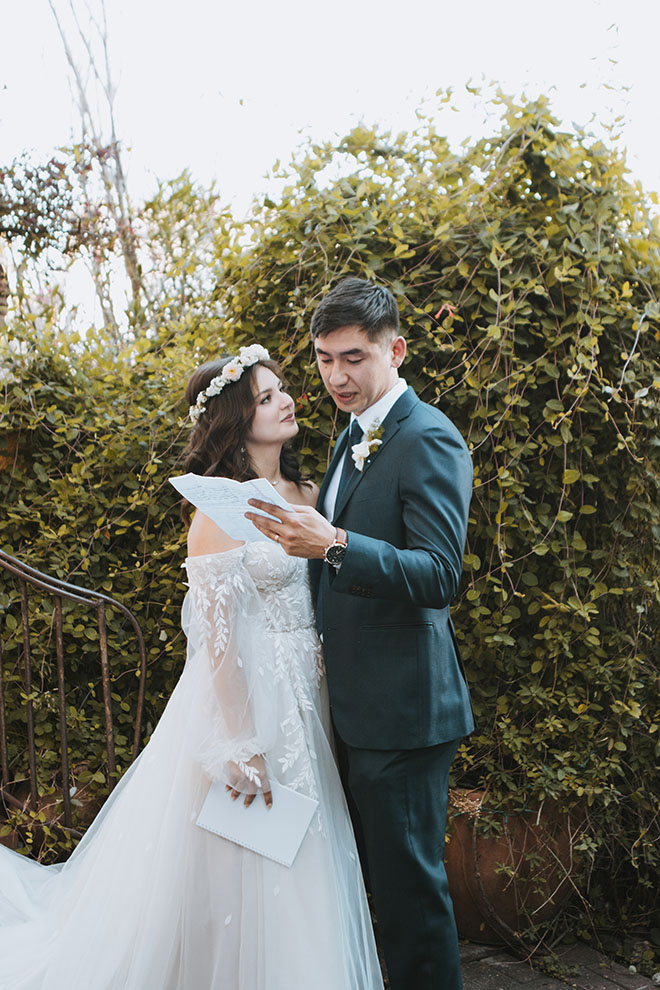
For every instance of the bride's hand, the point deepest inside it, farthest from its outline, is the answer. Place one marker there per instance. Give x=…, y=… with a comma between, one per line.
x=249, y=778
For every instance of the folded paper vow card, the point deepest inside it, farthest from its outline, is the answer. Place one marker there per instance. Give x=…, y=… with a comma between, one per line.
x=225, y=501
x=275, y=832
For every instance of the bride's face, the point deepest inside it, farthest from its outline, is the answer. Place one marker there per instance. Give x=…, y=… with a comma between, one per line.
x=274, y=420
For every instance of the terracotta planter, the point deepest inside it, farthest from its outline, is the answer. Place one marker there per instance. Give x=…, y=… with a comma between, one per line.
x=504, y=884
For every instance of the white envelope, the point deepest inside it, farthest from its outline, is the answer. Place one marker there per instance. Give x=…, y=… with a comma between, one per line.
x=275, y=832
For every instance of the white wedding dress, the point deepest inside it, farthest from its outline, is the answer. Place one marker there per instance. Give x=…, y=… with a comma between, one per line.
x=150, y=901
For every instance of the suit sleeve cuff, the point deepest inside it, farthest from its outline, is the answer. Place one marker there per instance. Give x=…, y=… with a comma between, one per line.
x=352, y=577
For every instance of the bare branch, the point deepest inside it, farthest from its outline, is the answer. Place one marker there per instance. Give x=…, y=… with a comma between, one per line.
x=108, y=152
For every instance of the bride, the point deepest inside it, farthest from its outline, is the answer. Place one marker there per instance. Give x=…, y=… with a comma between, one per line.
x=149, y=900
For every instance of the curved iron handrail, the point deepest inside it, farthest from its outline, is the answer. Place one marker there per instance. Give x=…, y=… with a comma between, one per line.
x=60, y=589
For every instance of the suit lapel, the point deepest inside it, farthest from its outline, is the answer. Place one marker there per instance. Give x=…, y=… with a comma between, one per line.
x=391, y=426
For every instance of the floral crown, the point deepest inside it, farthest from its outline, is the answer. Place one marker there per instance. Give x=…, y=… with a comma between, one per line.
x=231, y=372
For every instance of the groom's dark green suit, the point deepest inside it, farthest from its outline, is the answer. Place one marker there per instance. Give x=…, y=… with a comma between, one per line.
x=398, y=693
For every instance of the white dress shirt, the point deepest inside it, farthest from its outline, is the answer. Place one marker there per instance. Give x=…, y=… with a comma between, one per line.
x=366, y=419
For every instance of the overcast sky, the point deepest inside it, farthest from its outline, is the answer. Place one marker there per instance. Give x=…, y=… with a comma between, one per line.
x=226, y=88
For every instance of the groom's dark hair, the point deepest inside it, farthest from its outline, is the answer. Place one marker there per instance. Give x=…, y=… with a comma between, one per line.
x=354, y=302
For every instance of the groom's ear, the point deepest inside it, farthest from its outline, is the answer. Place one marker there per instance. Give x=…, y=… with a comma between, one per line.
x=398, y=351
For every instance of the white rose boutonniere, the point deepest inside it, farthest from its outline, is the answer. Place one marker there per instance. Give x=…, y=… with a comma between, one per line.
x=365, y=448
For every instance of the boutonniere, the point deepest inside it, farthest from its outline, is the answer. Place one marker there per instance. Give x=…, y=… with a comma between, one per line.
x=365, y=448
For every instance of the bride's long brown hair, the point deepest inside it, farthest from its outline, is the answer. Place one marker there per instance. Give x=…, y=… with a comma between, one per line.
x=217, y=444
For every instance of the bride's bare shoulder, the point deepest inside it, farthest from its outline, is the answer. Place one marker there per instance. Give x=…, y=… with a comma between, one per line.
x=205, y=537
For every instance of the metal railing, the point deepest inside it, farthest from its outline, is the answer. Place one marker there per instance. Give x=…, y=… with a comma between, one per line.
x=28, y=577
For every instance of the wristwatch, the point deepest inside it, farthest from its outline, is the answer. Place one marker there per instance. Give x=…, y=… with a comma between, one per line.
x=335, y=552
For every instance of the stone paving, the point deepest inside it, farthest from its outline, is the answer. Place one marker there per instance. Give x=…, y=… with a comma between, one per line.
x=488, y=968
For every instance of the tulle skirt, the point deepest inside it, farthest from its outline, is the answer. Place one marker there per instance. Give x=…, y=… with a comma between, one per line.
x=150, y=901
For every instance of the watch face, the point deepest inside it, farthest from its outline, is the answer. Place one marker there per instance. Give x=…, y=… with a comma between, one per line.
x=335, y=554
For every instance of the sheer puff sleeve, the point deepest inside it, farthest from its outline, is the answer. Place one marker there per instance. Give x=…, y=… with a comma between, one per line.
x=231, y=655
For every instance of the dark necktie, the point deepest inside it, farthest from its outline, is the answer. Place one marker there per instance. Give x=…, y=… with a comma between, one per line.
x=355, y=435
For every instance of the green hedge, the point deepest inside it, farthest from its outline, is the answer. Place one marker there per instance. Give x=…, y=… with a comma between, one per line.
x=527, y=271
x=89, y=446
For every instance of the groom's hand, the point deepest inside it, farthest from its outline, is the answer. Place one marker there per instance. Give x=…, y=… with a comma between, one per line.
x=303, y=533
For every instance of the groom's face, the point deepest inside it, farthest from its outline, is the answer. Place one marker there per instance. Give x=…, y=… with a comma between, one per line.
x=355, y=370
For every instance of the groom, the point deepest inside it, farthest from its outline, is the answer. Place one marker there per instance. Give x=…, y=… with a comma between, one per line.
x=386, y=558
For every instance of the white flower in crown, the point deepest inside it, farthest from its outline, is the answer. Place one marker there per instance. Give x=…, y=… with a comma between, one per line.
x=231, y=372
x=251, y=354
x=363, y=450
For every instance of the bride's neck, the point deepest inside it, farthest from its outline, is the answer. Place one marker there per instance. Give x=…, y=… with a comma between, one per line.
x=265, y=462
